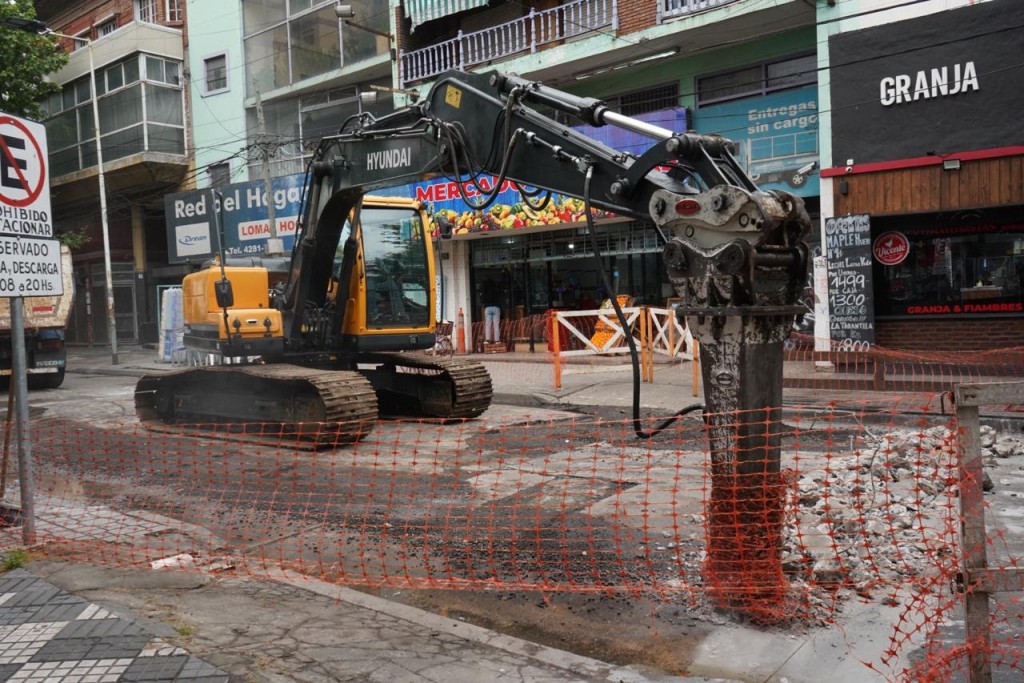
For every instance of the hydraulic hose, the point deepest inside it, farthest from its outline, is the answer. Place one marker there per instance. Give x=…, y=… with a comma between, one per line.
x=630, y=342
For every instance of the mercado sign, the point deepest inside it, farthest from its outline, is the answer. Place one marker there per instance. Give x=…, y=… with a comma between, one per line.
x=509, y=211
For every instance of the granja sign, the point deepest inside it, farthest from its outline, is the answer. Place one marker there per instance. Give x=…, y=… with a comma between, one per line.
x=941, y=83
x=928, y=83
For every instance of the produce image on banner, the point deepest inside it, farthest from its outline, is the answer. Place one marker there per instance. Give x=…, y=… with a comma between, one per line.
x=509, y=210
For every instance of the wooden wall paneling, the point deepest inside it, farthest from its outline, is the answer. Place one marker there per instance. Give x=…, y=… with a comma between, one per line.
x=927, y=190
x=1016, y=180
x=930, y=190
x=993, y=185
x=892, y=187
x=975, y=184
x=900, y=182
x=947, y=188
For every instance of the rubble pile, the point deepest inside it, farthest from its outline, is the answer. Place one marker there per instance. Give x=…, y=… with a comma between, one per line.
x=883, y=513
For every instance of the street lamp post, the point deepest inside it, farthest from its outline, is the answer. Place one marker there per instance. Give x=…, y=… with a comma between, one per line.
x=39, y=28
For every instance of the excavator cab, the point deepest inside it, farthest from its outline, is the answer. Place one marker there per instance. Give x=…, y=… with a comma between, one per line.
x=326, y=384
x=391, y=300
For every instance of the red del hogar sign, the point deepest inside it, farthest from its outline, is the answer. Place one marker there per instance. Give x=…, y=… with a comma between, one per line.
x=891, y=248
x=24, y=183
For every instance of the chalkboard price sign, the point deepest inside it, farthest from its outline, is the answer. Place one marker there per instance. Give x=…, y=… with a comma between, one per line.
x=850, y=291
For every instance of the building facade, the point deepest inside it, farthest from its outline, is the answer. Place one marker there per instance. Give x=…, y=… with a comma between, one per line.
x=135, y=49
x=270, y=77
x=926, y=149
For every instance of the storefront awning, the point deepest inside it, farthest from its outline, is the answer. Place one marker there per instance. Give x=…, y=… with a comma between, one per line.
x=422, y=11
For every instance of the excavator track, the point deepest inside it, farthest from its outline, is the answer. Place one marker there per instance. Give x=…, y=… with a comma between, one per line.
x=417, y=385
x=277, y=405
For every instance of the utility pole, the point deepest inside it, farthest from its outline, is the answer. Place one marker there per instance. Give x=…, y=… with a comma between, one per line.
x=275, y=245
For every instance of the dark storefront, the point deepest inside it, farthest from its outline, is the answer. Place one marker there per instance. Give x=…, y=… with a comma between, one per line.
x=973, y=269
x=928, y=142
x=555, y=269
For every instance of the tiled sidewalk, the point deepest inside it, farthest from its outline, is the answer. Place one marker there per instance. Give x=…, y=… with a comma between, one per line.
x=49, y=635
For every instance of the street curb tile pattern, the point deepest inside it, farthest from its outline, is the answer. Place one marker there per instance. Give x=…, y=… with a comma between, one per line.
x=49, y=635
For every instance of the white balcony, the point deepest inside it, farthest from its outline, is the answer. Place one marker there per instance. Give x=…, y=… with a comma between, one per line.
x=128, y=39
x=524, y=35
x=672, y=9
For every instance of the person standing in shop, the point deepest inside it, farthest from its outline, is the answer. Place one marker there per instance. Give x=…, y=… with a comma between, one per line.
x=490, y=298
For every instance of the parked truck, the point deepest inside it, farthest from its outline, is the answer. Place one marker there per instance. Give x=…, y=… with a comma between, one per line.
x=45, y=320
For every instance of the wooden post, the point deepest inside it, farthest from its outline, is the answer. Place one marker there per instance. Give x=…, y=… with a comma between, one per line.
x=648, y=332
x=973, y=537
x=644, y=369
x=555, y=334
x=696, y=367
x=671, y=322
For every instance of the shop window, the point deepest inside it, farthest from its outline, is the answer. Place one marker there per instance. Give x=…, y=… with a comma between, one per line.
x=757, y=80
x=963, y=270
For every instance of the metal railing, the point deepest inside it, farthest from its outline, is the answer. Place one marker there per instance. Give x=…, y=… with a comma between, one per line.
x=671, y=9
x=524, y=35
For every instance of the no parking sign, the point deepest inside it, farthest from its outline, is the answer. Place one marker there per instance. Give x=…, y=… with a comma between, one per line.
x=24, y=179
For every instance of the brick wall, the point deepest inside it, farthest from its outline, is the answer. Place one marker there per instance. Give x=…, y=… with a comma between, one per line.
x=635, y=16
x=950, y=335
x=74, y=18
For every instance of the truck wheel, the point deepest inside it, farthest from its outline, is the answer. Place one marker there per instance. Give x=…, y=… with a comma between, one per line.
x=54, y=380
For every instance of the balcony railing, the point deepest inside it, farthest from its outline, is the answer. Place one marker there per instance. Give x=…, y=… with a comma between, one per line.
x=670, y=9
x=524, y=35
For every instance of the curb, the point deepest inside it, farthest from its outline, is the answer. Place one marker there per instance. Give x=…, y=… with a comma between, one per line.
x=578, y=665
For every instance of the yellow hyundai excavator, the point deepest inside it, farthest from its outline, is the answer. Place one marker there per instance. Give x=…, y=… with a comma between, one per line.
x=320, y=353
x=326, y=385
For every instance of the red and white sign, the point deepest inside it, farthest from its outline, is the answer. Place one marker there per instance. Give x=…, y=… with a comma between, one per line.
x=24, y=179
x=891, y=248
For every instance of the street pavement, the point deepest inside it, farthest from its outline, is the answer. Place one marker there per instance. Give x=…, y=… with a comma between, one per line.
x=64, y=621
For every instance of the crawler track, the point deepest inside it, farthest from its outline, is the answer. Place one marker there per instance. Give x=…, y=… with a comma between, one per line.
x=417, y=385
x=273, y=404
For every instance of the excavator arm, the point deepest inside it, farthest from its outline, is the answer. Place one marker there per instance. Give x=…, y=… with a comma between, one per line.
x=735, y=254
x=478, y=126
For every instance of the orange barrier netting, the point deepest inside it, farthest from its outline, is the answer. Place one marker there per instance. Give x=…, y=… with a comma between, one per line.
x=861, y=511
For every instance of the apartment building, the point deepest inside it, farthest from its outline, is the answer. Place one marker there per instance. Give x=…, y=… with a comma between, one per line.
x=270, y=77
x=135, y=51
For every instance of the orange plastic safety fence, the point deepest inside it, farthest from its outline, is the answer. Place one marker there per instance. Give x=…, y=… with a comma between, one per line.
x=851, y=515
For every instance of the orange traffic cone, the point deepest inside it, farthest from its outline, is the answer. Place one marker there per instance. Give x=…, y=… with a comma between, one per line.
x=460, y=332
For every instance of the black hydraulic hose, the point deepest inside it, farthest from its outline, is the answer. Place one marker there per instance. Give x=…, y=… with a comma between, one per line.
x=630, y=342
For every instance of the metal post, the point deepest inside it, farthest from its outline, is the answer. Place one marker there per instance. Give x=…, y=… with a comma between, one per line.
x=111, y=319
x=20, y=378
x=275, y=245
x=741, y=367
x=973, y=537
